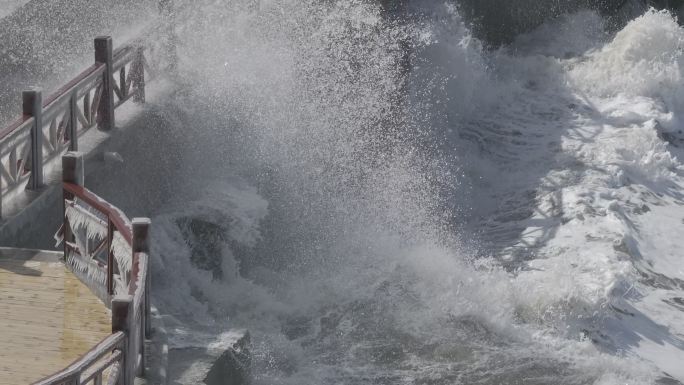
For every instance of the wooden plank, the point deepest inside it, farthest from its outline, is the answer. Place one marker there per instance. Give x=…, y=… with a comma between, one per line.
x=49, y=318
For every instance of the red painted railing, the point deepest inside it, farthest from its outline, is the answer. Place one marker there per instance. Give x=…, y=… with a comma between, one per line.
x=120, y=357
x=116, y=223
x=48, y=128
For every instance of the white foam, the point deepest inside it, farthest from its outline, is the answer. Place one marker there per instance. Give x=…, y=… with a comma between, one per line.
x=553, y=147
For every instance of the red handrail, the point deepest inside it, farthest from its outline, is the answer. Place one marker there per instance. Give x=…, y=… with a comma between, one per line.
x=118, y=219
x=54, y=96
x=67, y=87
x=13, y=126
x=136, y=316
x=112, y=342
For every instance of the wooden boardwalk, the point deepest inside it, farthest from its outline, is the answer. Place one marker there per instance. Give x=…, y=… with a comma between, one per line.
x=48, y=318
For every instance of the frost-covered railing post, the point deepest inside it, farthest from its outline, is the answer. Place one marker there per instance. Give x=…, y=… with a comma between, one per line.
x=72, y=130
x=140, y=283
x=72, y=172
x=122, y=321
x=104, y=55
x=32, y=105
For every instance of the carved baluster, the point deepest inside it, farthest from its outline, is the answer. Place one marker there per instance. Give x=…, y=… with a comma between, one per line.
x=94, y=108
x=13, y=164
x=25, y=159
x=122, y=83
x=110, y=257
x=52, y=136
x=86, y=109
x=62, y=136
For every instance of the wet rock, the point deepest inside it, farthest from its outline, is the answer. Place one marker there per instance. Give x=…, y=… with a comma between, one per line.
x=206, y=240
x=226, y=362
x=296, y=327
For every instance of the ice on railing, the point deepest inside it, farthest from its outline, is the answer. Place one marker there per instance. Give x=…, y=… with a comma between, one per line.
x=86, y=226
x=123, y=255
x=88, y=267
x=89, y=272
x=81, y=218
x=89, y=228
x=122, y=252
x=140, y=282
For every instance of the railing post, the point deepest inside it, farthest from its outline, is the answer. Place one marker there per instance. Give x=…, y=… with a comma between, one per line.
x=141, y=231
x=104, y=54
x=122, y=321
x=72, y=172
x=148, y=303
x=73, y=168
x=110, y=257
x=138, y=76
x=2, y=185
x=32, y=105
x=72, y=129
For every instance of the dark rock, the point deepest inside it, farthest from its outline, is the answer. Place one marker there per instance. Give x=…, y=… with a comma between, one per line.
x=225, y=362
x=232, y=367
x=206, y=240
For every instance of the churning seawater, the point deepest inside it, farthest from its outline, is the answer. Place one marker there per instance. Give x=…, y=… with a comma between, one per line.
x=381, y=200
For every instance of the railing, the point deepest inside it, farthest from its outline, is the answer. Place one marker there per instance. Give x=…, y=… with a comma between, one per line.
x=102, y=246
x=110, y=254
x=47, y=129
x=104, y=361
x=97, y=239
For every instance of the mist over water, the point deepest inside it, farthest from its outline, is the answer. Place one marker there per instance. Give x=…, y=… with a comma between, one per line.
x=45, y=43
x=381, y=200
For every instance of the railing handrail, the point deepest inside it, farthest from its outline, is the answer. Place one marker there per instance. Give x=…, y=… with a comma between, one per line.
x=22, y=160
x=120, y=56
x=56, y=122
x=130, y=309
x=74, y=83
x=106, y=346
x=132, y=322
x=118, y=218
x=7, y=131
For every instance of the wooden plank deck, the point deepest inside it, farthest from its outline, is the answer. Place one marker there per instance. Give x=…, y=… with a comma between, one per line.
x=48, y=318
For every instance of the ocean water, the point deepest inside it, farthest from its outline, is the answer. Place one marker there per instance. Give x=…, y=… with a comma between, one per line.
x=381, y=200
x=9, y=6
